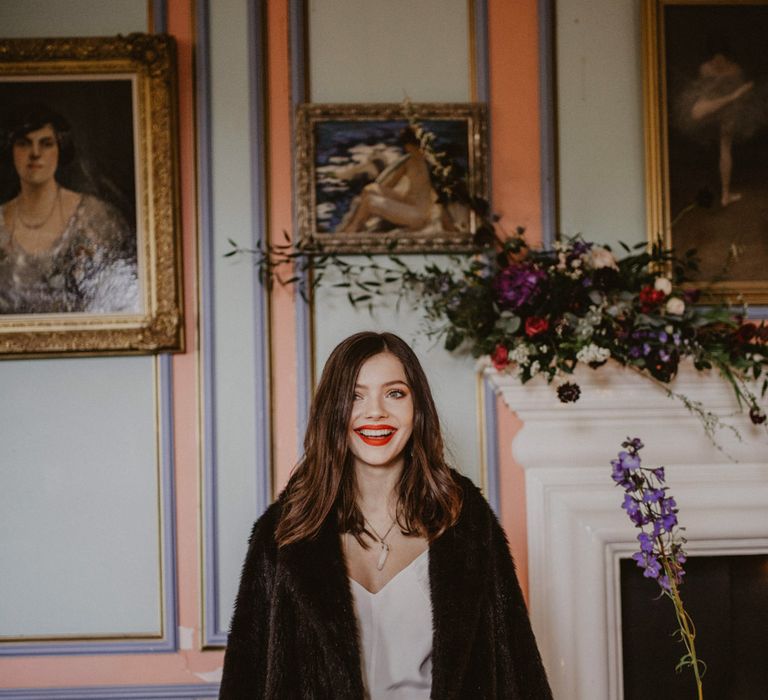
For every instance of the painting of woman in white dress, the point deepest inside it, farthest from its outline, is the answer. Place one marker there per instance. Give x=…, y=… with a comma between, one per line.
x=68, y=239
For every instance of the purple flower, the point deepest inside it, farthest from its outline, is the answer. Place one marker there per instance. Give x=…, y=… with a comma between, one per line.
x=518, y=284
x=581, y=247
x=650, y=510
x=653, y=495
x=646, y=542
x=648, y=562
x=629, y=460
x=630, y=505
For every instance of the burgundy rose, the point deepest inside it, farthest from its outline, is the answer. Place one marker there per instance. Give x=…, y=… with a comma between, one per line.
x=746, y=332
x=568, y=392
x=536, y=325
x=650, y=297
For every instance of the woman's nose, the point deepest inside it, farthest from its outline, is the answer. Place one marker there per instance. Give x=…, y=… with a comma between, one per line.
x=34, y=150
x=375, y=408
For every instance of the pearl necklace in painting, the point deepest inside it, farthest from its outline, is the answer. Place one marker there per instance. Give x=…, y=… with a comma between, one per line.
x=382, y=542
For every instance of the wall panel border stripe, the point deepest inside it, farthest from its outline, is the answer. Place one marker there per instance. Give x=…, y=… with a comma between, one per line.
x=213, y=634
x=108, y=692
x=118, y=644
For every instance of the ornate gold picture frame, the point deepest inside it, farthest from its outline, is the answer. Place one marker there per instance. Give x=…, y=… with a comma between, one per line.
x=375, y=178
x=706, y=109
x=90, y=258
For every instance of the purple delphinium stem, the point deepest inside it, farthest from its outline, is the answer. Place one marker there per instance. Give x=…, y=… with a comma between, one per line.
x=661, y=554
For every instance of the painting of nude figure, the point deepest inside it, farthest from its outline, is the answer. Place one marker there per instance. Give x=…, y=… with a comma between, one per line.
x=710, y=67
x=378, y=178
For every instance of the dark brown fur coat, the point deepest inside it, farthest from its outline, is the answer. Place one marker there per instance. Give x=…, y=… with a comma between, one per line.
x=294, y=634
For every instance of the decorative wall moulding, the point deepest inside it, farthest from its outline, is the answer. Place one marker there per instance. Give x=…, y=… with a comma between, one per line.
x=165, y=640
x=110, y=692
x=89, y=222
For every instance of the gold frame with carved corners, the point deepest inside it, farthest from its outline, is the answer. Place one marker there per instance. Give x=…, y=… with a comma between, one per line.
x=148, y=62
x=390, y=119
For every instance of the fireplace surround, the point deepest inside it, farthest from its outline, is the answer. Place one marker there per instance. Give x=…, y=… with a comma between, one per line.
x=576, y=531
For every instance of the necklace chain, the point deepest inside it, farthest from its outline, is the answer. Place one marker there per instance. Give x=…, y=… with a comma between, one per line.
x=34, y=226
x=376, y=534
x=384, y=553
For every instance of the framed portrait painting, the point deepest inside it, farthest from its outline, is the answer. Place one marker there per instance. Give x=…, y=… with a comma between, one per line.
x=706, y=88
x=89, y=244
x=376, y=178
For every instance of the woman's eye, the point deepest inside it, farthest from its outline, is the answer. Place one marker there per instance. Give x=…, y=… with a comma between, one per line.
x=396, y=393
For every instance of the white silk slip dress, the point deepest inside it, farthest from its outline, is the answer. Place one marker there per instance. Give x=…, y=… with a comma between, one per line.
x=396, y=634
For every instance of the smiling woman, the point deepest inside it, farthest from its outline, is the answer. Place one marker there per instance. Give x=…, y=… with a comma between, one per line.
x=380, y=572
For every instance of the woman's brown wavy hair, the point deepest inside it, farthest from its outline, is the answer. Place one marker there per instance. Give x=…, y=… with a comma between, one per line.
x=324, y=480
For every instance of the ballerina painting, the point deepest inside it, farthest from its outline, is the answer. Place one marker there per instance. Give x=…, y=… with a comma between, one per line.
x=713, y=174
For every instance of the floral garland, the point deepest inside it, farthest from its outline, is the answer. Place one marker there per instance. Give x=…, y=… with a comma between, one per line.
x=544, y=312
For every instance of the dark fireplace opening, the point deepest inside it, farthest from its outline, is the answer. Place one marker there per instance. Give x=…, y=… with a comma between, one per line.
x=727, y=598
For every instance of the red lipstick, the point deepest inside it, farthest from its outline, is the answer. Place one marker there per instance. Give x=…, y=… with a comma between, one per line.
x=375, y=435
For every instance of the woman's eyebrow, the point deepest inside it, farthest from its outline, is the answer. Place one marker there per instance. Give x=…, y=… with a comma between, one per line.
x=394, y=381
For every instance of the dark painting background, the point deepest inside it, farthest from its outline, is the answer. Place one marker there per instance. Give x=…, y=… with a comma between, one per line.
x=100, y=113
x=718, y=232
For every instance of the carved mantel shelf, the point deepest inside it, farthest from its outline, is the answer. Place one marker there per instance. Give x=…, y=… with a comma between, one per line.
x=577, y=532
x=617, y=401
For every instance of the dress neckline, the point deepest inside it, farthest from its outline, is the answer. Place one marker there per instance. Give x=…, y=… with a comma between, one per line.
x=58, y=242
x=396, y=576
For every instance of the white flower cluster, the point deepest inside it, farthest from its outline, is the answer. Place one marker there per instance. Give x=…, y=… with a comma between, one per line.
x=593, y=353
x=520, y=354
x=587, y=324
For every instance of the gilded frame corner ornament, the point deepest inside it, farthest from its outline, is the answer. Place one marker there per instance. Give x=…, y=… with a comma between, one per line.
x=691, y=200
x=122, y=90
x=344, y=150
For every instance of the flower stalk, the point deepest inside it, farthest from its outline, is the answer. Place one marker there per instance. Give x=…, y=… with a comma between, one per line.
x=661, y=556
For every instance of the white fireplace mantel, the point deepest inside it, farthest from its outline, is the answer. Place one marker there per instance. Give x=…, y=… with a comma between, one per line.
x=577, y=531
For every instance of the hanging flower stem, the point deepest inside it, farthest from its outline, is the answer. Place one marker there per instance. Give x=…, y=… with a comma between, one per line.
x=685, y=623
x=650, y=507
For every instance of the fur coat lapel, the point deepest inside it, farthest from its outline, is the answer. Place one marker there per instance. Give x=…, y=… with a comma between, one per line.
x=294, y=633
x=458, y=564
